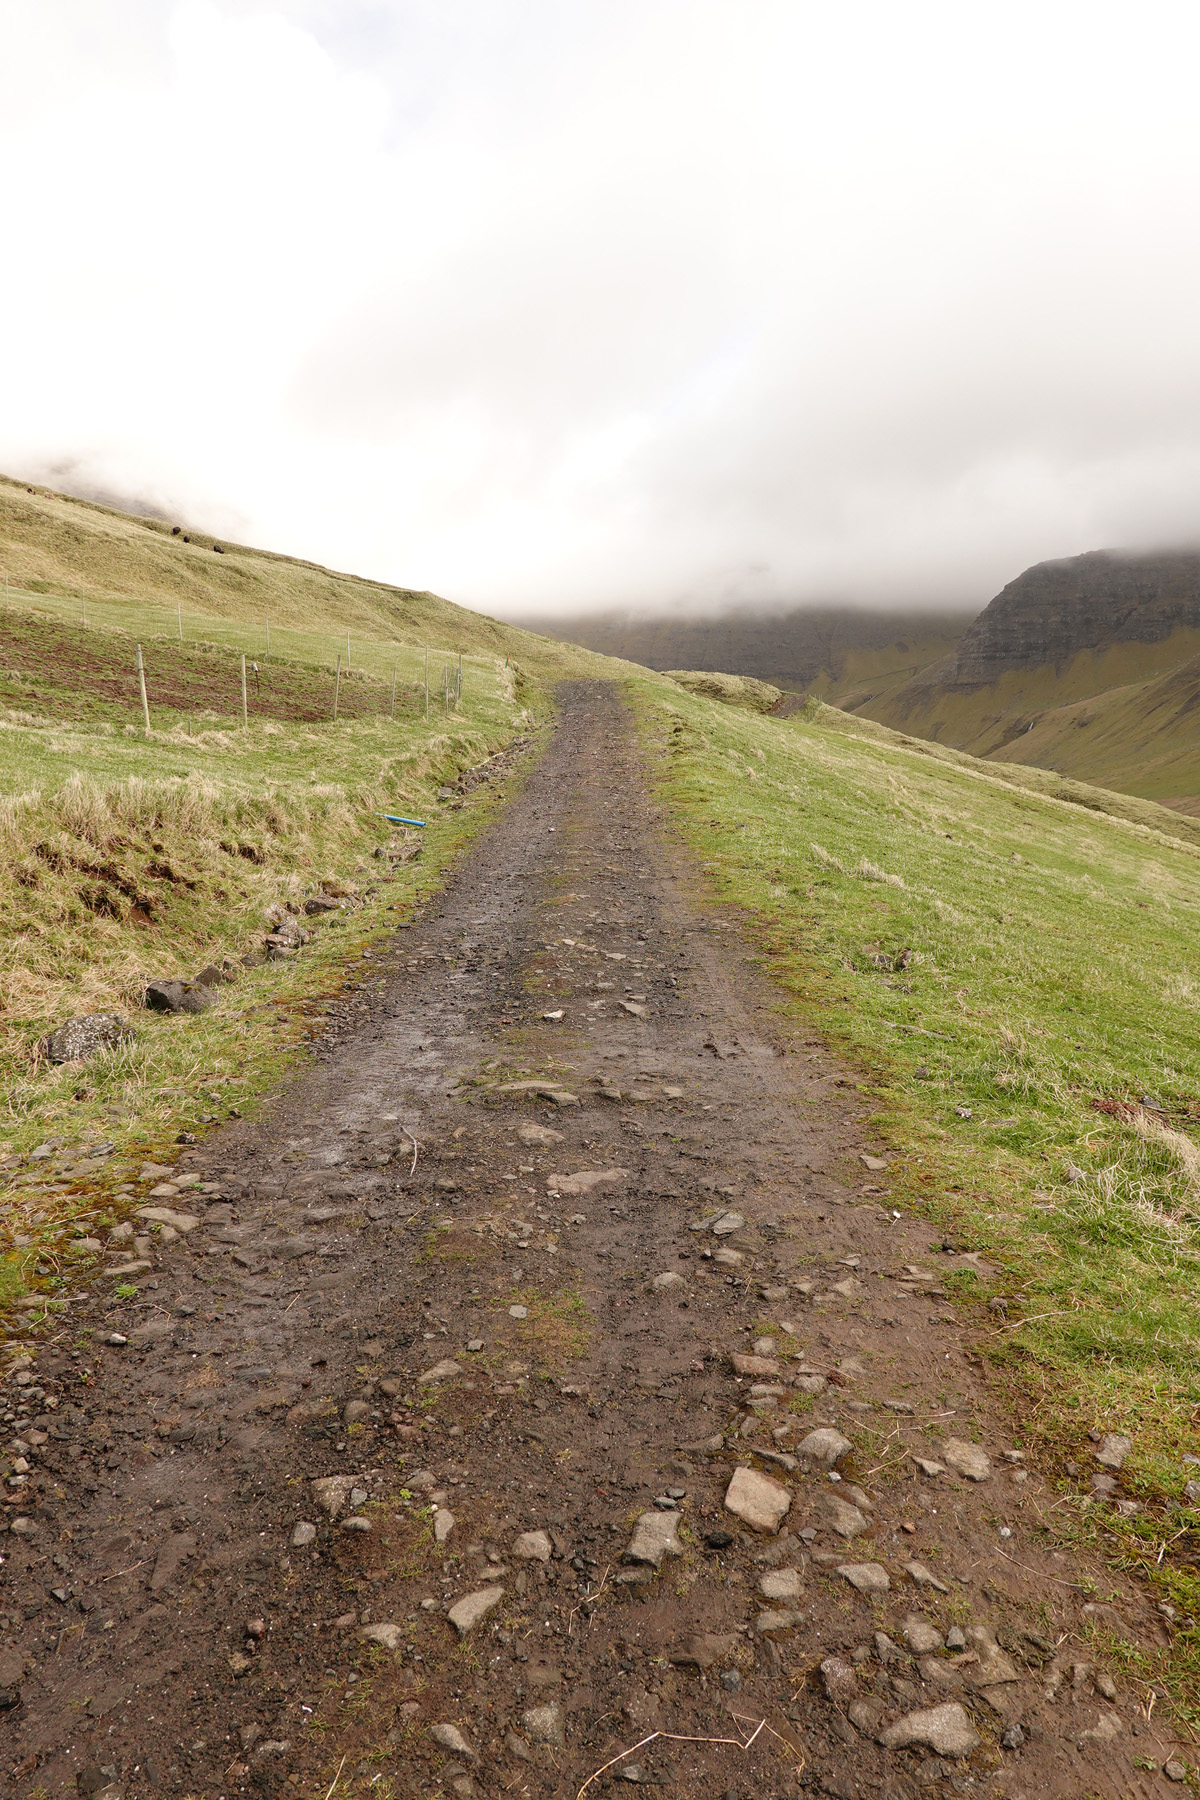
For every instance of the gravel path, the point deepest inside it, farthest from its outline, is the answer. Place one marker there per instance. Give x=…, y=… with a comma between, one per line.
x=632, y=1415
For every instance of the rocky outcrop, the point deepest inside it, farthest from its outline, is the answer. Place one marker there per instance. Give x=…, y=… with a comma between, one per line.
x=1056, y=609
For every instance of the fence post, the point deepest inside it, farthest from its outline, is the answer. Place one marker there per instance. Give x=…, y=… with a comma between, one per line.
x=141, y=668
x=458, y=695
x=426, y=684
x=245, y=708
x=337, y=686
x=392, y=713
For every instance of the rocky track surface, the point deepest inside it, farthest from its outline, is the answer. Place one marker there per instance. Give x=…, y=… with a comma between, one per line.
x=549, y=1381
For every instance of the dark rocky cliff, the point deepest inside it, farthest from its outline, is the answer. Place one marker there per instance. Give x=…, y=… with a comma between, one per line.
x=1056, y=609
x=791, y=649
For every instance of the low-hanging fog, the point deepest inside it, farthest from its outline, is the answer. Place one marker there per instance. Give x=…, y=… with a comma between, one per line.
x=655, y=304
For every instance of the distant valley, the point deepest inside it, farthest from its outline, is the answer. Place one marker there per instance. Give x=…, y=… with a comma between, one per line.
x=1089, y=665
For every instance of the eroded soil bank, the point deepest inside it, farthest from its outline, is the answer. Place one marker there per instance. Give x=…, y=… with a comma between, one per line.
x=549, y=1345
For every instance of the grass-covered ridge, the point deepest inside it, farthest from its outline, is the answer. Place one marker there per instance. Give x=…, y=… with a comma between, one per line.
x=1018, y=976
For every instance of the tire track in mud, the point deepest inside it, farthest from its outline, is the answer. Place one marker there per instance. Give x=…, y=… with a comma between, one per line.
x=532, y=1364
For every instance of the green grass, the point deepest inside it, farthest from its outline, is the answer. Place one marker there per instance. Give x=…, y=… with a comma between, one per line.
x=128, y=855
x=1015, y=975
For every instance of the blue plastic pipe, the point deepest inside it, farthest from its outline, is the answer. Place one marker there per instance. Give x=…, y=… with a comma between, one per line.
x=393, y=819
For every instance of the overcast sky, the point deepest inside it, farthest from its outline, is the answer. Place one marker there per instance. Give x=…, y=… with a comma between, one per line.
x=547, y=304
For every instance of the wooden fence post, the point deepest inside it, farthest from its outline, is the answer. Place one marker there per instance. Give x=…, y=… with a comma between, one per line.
x=141, y=668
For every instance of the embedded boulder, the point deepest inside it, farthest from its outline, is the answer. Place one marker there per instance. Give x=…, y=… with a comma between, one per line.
x=85, y=1036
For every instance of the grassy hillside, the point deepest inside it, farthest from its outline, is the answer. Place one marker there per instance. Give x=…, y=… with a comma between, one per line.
x=1126, y=716
x=84, y=561
x=128, y=855
x=1016, y=975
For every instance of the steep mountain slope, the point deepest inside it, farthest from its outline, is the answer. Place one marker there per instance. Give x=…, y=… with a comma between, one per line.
x=839, y=653
x=1085, y=665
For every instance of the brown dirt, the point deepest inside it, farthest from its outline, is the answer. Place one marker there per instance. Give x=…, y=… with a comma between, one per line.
x=47, y=659
x=163, y=1501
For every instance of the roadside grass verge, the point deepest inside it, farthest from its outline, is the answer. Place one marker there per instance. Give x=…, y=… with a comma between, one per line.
x=1016, y=976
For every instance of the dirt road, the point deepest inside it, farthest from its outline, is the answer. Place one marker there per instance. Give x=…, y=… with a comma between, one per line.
x=534, y=1364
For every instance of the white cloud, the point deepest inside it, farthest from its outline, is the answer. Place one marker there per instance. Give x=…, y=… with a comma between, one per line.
x=557, y=303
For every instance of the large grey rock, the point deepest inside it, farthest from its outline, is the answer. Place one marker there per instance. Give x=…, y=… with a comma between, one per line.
x=466, y=1613
x=1113, y=1450
x=85, y=1036
x=758, y=1499
x=967, y=1460
x=654, y=1536
x=945, y=1728
x=445, y=1370
x=824, y=1446
x=179, y=996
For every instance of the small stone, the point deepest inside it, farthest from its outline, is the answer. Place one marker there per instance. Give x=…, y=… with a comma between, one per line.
x=443, y=1524
x=445, y=1370
x=303, y=1534
x=846, y=1520
x=731, y=1680
x=758, y=1499
x=889, y=1653
x=718, y=1540
x=955, y=1639
x=449, y=1737
x=868, y=1578
x=387, y=1635
x=533, y=1546
x=670, y=1278
x=545, y=1724
x=466, y=1613
x=654, y=1536
x=924, y=1577
x=928, y=1467
x=516, y=1746
x=1113, y=1450
x=1107, y=1727
x=518, y=1312
x=967, y=1460
x=115, y=1338
x=475, y=1344
x=1012, y=1737
x=875, y=1164
x=920, y=1636
x=781, y=1620
x=754, y=1365
x=839, y=1681
x=825, y=1446
x=331, y=1492
x=1174, y=1770
x=355, y=1411
x=780, y=1584
x=945, y=1729
x=356, y=1524
x=727, y=1224
x=703, y=1649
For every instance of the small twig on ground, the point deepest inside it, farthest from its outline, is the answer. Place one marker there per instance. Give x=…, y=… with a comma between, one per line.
x=1042, y=1575
x=676, y=1737
x=120, y=1572
x=337, y=1777
x=416, y=1148
x=587, y=1597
